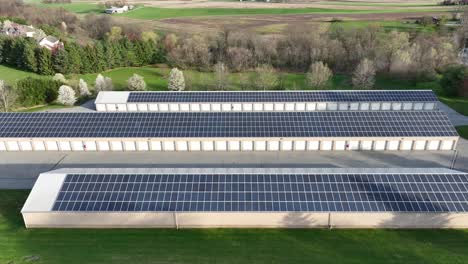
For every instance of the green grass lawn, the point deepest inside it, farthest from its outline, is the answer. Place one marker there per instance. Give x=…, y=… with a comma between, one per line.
x=463, y=131
x=460, y=104
x=96, y=246
x=11, y=75
x=156, y=80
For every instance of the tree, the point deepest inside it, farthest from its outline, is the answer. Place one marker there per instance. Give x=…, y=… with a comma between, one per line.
x=60, y=78
x=221, y=76
x=103, y=83
x=7, y=96
x=176, y=80
x=453, y=79
x=364, y=75
x=319, y=74
x=44, y=61
x=136, y=83
x=66, y=95
x=60, y=61
x=265, y=77
x=149, y=36
x=83, y=87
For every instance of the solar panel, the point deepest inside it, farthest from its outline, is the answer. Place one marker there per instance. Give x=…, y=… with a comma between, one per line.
x=284, y=96
x=264, y=192
x=247, y=124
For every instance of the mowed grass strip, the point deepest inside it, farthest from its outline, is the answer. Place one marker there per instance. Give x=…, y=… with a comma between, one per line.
x=96, y=246
x=459, y=104
x=463, y=131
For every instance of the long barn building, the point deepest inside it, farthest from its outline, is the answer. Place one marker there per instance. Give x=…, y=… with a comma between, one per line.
x=233, y=131
x=248, y=101
x=249, y=197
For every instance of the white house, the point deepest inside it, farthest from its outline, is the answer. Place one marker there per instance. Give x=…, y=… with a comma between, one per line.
x=50, y=43
x=117, y=10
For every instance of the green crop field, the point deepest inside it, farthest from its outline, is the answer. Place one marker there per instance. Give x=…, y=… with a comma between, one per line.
x=155, y=13
x=95, y=246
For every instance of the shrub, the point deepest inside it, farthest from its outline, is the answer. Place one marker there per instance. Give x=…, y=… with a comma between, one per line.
x=452, y=79
x=136, y=83
x=32, y=91
x=265, y=77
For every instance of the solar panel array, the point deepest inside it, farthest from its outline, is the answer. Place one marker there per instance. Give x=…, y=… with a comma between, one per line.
x=264, y=192
x=291, y=96
x=209, y=125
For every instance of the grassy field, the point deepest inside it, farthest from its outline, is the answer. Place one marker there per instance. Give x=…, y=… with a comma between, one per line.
x=463, y=131
x=11, y=75
x=460, y=104
x=56, y=246
x=155, y=13
x=397, y=25
x=156, y=80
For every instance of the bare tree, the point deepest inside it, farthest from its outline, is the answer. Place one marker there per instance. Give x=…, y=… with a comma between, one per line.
x=7, y=96
x=221, y=76
x=364, y=75
x=240, y=59
x=265, y=77
x=319, y=74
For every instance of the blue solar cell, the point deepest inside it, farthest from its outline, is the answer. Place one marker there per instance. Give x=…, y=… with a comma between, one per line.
x=283, y=96
x=203, y=125
x=263, y=192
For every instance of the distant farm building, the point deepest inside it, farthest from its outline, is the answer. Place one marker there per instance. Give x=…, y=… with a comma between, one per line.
x=118, y=10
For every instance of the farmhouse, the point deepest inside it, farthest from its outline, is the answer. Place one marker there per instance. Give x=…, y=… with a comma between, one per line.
x=248, y=197
x=51, y=43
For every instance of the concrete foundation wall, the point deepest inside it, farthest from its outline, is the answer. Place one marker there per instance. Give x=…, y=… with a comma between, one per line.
x=244, y=220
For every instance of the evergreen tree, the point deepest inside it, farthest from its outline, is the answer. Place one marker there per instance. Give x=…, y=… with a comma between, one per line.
x=29, y=62
x=100, y=60
x=60, y=61
x=87, y=59
x=74, y=57
x=44, y=61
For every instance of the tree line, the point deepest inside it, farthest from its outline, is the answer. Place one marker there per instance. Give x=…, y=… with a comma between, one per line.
x=411, y=55
x=26, y=54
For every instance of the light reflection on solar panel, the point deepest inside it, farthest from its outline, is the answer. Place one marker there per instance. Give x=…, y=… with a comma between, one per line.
x=239, y=124
x=281, y=96
x=264, y=192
